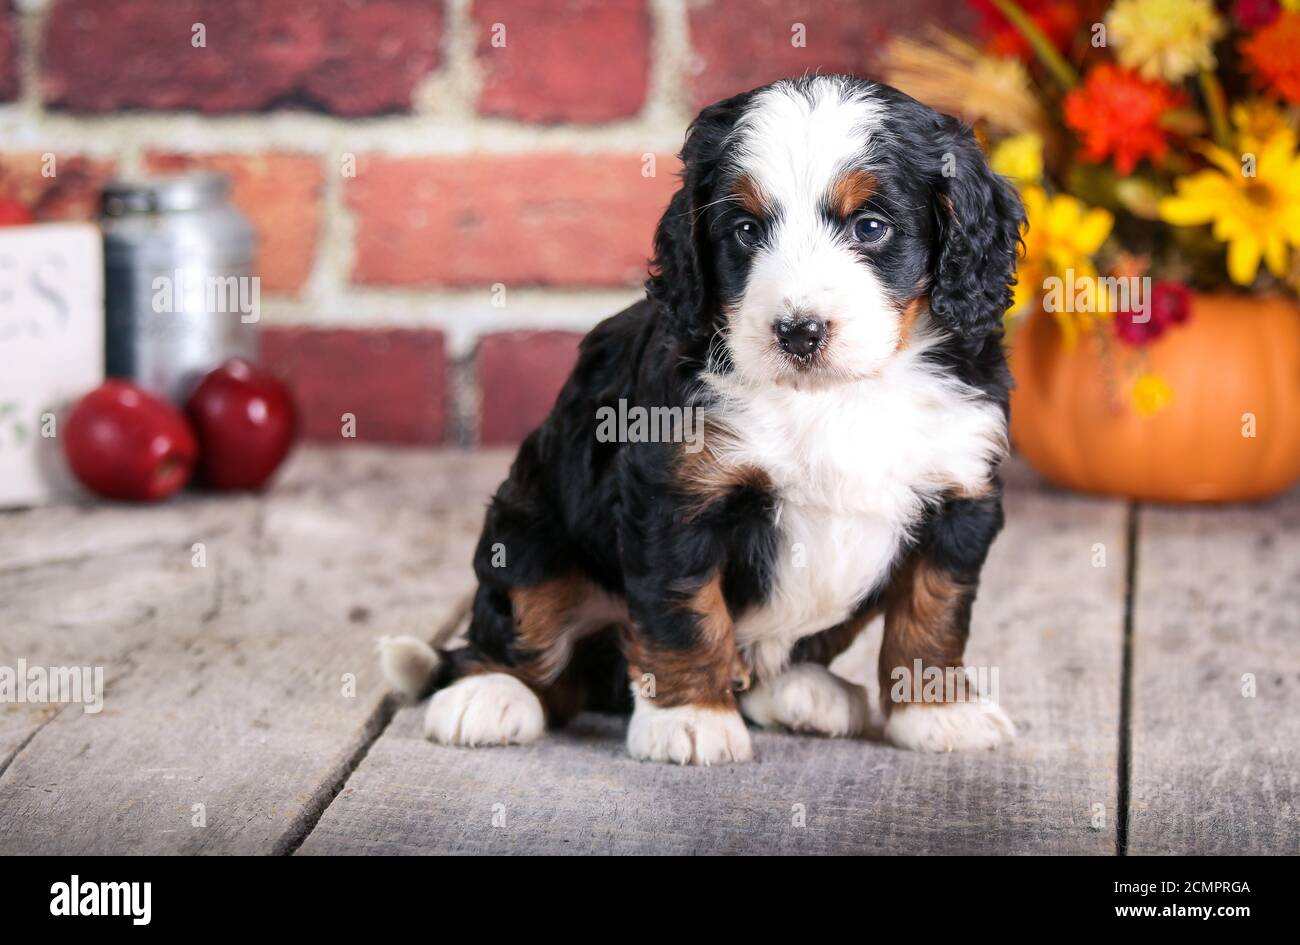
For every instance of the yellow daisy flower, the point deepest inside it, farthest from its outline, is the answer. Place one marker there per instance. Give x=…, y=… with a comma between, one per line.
x=1258, y=217
x=1165, y=39
x=1062, y=236
x=1070, y=232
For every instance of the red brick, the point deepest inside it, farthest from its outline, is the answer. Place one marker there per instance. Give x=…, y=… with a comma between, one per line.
x=740, y=44
x=71, y=194
x=281, y=194
x=519, y=374
x=393, y=381
x=542, y=219
x=8, y=52
x=564, y=60
x=340, y=56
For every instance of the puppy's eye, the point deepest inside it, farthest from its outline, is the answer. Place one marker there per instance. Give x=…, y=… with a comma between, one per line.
x=869, y=230
x=748, y=232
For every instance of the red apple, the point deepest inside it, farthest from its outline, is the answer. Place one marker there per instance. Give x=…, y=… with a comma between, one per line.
x=245, y=421
x=13, y=213
x=123, y=442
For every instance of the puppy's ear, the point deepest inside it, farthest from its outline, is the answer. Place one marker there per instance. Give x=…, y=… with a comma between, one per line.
x=682, y=281
x=677, y=280
x=979, y=219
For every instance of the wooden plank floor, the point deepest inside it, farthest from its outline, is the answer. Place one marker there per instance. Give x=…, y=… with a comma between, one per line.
x=243, y=711
x=1050, y=622
x=1216, y=681
x=226, y=684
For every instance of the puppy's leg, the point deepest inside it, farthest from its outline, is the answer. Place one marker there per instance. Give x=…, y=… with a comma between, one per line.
x=488, y=703
x=684, y=670
x=514, y=679
x=533, y=604
x=927, y=620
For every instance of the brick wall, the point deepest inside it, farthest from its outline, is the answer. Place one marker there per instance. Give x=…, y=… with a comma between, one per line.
x=446, y=192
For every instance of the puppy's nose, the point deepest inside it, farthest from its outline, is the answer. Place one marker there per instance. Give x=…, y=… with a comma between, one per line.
x=800, y=334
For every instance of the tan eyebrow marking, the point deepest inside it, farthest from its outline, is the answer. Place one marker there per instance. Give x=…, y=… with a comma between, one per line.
x=750, y=194
x=852, y=190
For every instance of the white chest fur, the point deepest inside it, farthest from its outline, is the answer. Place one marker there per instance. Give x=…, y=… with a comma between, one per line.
x=853, y=466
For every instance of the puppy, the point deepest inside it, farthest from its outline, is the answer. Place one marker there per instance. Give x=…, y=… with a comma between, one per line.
x=826, y=300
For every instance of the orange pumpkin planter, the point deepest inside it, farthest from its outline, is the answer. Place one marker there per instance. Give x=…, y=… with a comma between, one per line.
x=1234, y=370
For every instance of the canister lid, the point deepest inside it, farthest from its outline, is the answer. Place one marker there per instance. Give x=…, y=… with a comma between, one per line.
x=164, y=193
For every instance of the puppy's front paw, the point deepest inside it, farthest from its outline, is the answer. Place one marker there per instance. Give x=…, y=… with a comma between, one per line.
x=687, y=735
x=808, y=697
x=485, y=709
x=949, y=726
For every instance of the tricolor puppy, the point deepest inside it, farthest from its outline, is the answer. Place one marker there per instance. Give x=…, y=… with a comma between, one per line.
x=828, y=289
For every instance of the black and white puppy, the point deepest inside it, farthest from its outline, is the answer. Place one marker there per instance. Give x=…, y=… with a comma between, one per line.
x=828, y=289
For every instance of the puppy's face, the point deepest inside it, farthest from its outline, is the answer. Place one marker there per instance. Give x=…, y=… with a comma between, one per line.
x=827, y=216
x=821, y=241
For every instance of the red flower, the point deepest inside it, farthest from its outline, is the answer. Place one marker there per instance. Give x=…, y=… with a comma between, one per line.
x=1274, y=52
x=1058, y=19
x=1255, y=14
x=1137, y=328
x=1116, y=113
x=1170, y=304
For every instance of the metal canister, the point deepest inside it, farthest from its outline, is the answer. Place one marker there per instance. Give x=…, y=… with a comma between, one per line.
x=180, y=294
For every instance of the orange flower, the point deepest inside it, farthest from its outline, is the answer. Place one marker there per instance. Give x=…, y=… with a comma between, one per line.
x=1275, y=53
x=1116, y=113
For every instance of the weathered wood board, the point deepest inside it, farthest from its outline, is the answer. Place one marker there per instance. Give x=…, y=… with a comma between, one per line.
x=1216, y=681
x=226, y=685
x=86, y=585
x=1049, y=617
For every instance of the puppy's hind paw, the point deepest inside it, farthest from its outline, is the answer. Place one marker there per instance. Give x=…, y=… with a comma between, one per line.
x=485, y=709
x=808, y=697
x=949, y=726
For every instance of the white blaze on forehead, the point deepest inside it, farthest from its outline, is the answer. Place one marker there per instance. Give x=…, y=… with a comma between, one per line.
x=797, y=138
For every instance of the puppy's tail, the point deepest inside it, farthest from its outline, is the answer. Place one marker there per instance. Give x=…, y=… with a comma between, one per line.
x=411, y=666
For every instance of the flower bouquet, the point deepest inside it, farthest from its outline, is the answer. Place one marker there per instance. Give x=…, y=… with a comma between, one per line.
x=1154, y=332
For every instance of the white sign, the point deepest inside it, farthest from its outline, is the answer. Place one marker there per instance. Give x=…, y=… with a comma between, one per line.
x=51, y=349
